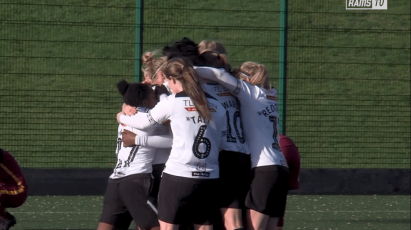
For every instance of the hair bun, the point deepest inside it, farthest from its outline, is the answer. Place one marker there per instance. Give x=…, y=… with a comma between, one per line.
x=147, y=57
x=185, y=48
x=122, y=86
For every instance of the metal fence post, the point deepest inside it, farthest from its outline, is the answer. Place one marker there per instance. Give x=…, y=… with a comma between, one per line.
x=283, y=65
x=138, y=49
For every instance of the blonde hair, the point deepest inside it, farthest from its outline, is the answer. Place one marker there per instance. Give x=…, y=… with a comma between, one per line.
x=211, y=46
x=256, y=73
x=152, y=65
x=183, y=72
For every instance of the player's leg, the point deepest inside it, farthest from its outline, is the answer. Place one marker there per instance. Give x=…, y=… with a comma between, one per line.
x=157, y=171
x=113, y=207
x=280, y=224
x=273, y=223
x=232, y=218
x=203, y=227
x=186, y=201
x=234, y=185
x=105, y=226
x=294, y=161
x=169, y=206
x=256, y=220
x=168, y=226
x=123, y=222
x=266, y=198
x=204, y=205
x=134, y=191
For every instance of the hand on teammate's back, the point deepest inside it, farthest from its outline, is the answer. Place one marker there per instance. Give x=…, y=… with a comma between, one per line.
x=128, y=138
x=129, y=110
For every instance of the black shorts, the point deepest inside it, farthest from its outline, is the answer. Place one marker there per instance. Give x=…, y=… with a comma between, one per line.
x=234, y=182
x=155, y=186
x=129, y=194
x=187, y=201
x=268, y=190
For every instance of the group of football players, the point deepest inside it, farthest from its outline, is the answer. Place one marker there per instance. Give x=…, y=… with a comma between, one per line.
x=198, y=147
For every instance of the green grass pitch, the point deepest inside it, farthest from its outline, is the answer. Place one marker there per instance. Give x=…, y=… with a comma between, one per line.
x=303, y=212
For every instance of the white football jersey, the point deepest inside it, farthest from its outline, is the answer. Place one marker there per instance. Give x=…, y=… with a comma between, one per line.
x=196, y=141
x=135, y=159
x=235, y=140
x=162, y=154
x=259, y=110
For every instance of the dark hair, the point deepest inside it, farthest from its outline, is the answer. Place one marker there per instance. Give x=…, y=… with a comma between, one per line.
x=213, y=59
x=133, y=93
x=185, y=48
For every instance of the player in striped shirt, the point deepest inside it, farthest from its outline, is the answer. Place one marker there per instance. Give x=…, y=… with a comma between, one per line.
x=189, y=181
x=13, y=188
x=259, y=110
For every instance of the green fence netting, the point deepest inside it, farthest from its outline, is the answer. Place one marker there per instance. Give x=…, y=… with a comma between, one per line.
x=348, y=101
x=348, y=87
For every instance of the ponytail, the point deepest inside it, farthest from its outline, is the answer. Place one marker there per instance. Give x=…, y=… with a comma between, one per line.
x=257, y=74
x=152, y=65
x=183, y=72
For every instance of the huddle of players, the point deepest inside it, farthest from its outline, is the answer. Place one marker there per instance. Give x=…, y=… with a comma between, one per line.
x=222, y=128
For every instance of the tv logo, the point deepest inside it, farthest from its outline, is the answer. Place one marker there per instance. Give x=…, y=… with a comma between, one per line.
x=366, y=4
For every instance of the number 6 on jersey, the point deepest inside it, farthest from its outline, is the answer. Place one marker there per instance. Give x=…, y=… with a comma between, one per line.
x=201, y=140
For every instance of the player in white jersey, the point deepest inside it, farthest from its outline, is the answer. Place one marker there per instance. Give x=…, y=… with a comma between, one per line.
x=189, y=181
x=128, y=187
x=154, y=75
x=259, y=110
x=234, y=158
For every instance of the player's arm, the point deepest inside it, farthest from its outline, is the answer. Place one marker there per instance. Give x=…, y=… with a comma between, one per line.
x=161, y=141
x=161, y=112
x=157, y=141
x=241, y=89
